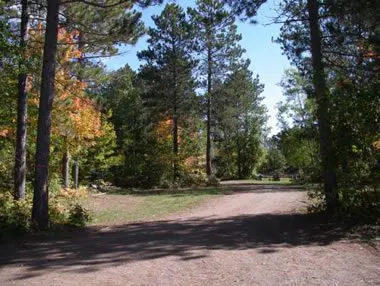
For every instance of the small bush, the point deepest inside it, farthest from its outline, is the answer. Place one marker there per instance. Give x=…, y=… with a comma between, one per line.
x=78, y=216
x=192, y=179
x=354, y=204
x=165, y=184
x=58, y=212
x=259, y=177
x=317, y=199
x=72, y=194
x=15, y=216
x=276, y=177
x=55, y=183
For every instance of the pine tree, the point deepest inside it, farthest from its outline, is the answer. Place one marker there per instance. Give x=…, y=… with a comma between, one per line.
x=298, y=39
x=333, y=45
x=22, y=9
x=217, y=48
x=247, y=9
x=20, y=160
x=240, y=120
x=169, y=60
x=40, y=213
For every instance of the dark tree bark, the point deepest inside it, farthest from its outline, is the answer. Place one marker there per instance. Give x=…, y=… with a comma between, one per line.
x=175, y=142
x=40, y=199
x=175, y=118
x=76, y=174
x=209, y=168
x=22, y=111
x=322, y=99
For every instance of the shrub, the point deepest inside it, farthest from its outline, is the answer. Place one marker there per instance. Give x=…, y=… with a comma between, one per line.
x=276, y=177
x=15, y=216
x=55, y=183
x=78, y=216
x=193, y=179
x=354, y=204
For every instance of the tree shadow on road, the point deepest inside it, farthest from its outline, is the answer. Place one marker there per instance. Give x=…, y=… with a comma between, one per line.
x=95, y=248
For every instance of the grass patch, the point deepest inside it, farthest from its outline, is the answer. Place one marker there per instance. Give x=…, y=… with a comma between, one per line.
x=265, y=181
x=188, y=192
x=126, y=206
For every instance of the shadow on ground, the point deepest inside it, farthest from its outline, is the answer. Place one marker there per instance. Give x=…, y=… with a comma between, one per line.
x=94, y=249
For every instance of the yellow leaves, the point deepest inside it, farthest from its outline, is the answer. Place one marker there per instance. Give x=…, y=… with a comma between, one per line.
x=29, y=83
x=76, y=54
x=75, y=117
x=164, y=130
x=82, y=192
x=75, y=33
x=376, y=145
x=67, y=41
x=86, y=120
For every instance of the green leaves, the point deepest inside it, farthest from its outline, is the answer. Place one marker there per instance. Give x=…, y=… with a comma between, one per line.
x=240, y=124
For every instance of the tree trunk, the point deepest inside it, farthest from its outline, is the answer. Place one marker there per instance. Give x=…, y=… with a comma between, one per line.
x=40, y=213
x=76, y=174
x=81, y=60
x=22, y=111
x=209, y=168
x=322, y=99
x=66, y=170
x=175, y=118
x=175, y=144
x=240, y=172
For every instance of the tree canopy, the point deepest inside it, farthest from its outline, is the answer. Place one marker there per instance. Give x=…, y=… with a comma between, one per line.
x=193, y=112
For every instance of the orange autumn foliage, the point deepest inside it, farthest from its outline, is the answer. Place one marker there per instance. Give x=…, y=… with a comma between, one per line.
x=164, y=131
x=75, y=117
x=5, y=133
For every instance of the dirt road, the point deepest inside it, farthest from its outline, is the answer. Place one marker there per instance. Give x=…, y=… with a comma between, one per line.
x=257, y=235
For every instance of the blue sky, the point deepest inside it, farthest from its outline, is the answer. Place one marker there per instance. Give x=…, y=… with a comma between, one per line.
x=266, y=57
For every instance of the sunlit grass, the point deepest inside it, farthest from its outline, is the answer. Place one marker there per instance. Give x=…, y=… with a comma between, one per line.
x=120, y=206
x=137, y=207
x=265, y=181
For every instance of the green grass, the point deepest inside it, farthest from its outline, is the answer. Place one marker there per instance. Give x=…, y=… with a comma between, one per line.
x=134, y=206
x=267, y=181
x=120, y=206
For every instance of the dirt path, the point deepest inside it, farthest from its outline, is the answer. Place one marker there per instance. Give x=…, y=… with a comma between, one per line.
x=254, y=236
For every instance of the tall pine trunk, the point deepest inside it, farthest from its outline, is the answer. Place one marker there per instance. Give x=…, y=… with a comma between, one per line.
x=322, y=99
x=40, y=199
x=175, y=142
x=175, y=117
x=66, y=169
x=209, y=169
x=22, y=111
x=76, y=174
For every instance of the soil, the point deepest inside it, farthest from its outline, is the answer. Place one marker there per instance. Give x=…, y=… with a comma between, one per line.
x=255, y=235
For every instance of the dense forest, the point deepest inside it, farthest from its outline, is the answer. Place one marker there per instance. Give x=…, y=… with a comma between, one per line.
x=193, y=113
